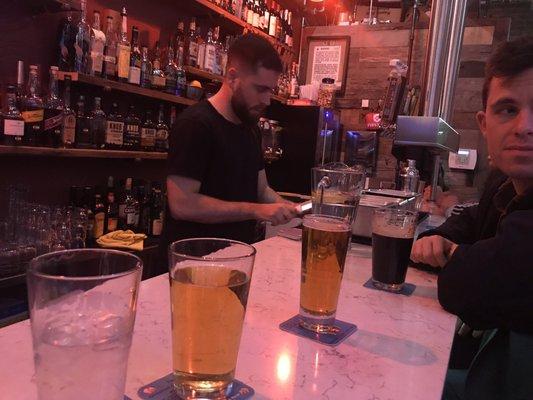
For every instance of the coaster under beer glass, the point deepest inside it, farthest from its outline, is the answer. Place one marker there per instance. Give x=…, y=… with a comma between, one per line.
x=325, y=242
x=392, y=238
x=82, y=307
x=209, y=283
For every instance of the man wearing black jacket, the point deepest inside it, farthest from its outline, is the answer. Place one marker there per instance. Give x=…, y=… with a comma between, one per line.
x=487, y=251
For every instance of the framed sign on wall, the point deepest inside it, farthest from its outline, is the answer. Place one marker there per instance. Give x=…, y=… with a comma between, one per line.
x=327, y=57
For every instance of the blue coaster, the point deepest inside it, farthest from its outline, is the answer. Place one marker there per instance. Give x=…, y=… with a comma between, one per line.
x=162, y=389
x=345, y=329
x=407, y=289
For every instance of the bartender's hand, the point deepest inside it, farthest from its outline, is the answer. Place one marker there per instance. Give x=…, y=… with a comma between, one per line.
x=276, y=213
x=433, y=250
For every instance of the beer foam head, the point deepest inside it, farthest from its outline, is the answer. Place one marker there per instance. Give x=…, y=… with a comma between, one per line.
x=394, y=223
x=326, y=223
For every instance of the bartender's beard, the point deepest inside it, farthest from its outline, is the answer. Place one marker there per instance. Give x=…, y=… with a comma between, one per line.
x=248, y=115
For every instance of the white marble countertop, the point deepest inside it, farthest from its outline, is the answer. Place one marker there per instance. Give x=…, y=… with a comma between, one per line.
x=400, y=350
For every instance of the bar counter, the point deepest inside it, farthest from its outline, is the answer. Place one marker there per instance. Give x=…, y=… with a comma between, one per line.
x=400, y=350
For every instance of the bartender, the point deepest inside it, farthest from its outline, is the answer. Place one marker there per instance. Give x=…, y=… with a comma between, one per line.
x=216, y=181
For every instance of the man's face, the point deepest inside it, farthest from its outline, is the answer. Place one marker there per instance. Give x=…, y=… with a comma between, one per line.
x=507, y=124
x=251, y=93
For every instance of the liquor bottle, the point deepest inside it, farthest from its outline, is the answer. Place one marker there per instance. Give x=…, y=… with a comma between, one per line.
x=84, y=136
x=20, y=90
x=146, y=69
x=96, y=54
x=83, y=40
x=88, y=198
x=67, y=42
x=33, y=109
x=98, y=124
x=132, y=130
x=111, y=214
x=279, y=23
x=210, y=53
x=171, y=72
x=109, y=69
x=114, y=132
x=129, y=216
x=225, y=55
x=294, y=91
x=262, y=15
x=99, y=212
x=148, y=132
x=158, y=76
x=68, y=133
x=244, y=11
x=161, y=135
x=179, y=43
x=289, y=34
x=273, y=20
x=135, y=58
x=123, y=50
x=192, y=45
x=143, y=196
x=201, y=50
x=13, y=123
x=156, y=213
x=181, y=78
x=53, y=112
x=217, y=68
x=256, y=15
x=250, y=12
x=267, y=17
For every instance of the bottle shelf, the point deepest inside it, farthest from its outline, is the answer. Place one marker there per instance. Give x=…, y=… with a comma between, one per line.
x=244, y=25
x=201, y=74
x=80, y=153
x=108, y=84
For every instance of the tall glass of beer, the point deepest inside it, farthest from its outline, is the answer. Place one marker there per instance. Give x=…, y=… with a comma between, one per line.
x=209, y=282
x=325, y=242
x=392, y=238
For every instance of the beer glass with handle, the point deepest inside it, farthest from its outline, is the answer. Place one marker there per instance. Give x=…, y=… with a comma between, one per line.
x=325, y=242
x=392, y=238
x=209, y=283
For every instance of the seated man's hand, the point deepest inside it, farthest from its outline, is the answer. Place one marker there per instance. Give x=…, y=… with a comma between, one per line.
x=276, y=213
x=432, y=250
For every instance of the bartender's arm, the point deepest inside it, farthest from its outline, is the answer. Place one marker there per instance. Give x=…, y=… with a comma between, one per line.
x=186, y=203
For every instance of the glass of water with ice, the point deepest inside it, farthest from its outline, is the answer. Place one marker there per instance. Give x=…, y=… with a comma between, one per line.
x=82, y=308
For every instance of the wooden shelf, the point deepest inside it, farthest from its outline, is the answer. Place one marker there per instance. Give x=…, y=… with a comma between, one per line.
x=239, y=22
x=108, y=84
x=200, y=73
x=80, y=153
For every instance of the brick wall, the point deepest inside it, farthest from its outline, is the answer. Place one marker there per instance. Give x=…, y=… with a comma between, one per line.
x=372, y=47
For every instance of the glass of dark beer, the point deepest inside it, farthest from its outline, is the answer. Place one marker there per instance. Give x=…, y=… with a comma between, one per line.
x=392, y=237
x=325, y=243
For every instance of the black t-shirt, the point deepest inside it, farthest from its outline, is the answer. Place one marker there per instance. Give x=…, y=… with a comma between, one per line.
x=225, y=158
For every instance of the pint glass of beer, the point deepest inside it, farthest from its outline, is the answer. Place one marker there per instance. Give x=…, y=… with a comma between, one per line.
x=392, y=237
x=209, y=282
x=325, y=241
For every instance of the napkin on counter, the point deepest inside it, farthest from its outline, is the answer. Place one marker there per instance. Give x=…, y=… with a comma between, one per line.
x=122, y=240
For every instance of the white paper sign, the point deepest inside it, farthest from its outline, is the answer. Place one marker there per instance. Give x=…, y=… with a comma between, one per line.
x=326, y=64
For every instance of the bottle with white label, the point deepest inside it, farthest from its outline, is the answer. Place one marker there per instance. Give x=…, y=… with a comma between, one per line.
x=210, y=57
x=123, y=50
x=114, y=132
x=96, y=54
x=13, y=123
x=68, y=132
x=33, y=109
x=135, y=58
